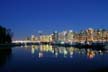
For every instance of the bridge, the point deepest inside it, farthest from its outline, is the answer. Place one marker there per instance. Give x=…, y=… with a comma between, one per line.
x=24, y=41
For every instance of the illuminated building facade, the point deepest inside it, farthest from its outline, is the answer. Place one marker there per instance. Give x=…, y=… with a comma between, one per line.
x=89, y=35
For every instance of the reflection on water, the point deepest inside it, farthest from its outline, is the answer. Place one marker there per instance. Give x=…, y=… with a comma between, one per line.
x=48, y=58
x=64, y=51
x=5, y=55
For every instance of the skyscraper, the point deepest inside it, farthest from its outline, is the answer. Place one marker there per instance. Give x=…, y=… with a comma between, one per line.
x=55, y=36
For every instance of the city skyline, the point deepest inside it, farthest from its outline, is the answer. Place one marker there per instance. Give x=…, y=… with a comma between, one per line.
x=27, y=17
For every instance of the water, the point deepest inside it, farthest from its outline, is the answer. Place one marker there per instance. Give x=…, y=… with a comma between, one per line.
x=47, y=58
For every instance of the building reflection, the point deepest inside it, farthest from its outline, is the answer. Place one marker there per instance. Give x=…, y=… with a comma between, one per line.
x=5, y=55
x=40, y=55
x=91, y=54
x=65, y=51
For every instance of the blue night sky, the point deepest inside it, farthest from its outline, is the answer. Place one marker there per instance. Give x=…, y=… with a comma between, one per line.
x=26, y=17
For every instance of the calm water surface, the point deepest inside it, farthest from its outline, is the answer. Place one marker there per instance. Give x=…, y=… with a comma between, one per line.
x=49, y=58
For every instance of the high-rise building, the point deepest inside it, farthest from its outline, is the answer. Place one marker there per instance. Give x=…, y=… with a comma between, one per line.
x=55, y=36
x=62, y=36
x=32, y=38
x=69, y=36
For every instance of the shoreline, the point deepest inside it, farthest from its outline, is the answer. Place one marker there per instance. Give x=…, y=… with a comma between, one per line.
x=97, y=46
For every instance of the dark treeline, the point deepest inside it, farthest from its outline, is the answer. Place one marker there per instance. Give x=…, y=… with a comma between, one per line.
x=5, y=35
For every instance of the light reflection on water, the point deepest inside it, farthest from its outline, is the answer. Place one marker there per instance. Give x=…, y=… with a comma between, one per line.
x=64, y=51
x=34, y=58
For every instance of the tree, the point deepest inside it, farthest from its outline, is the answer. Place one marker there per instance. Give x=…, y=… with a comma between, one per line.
x=5, y=35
